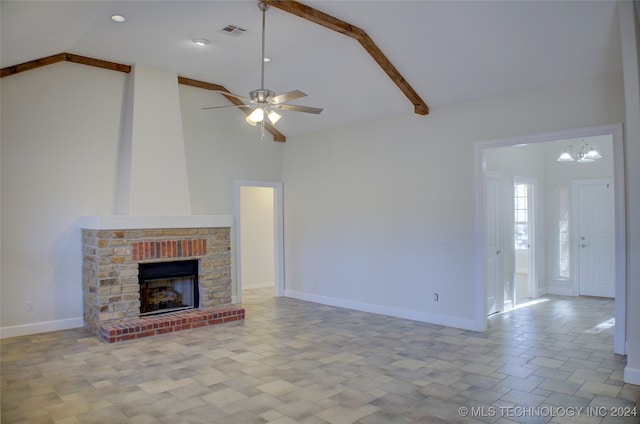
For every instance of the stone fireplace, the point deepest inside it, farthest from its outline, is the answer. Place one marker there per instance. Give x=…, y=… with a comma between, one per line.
x=166, y=261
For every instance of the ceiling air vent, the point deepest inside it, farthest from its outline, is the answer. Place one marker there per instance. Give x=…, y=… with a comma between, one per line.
x=233, y=30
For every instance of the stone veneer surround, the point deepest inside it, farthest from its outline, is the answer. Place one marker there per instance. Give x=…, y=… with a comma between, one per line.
x=110, y=268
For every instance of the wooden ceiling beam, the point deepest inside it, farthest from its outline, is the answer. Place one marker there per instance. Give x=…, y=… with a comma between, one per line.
x=335, y=24
x=33, y=64
x=104, y=64
x=63, y=57
x=83, y=60
x=201, y=84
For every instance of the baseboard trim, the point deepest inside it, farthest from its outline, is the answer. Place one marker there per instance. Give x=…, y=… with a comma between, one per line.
x=448, y=321
x=40, y=327
x=542, y=291
x=632, y=375
x=560, y=291
x=258, y=285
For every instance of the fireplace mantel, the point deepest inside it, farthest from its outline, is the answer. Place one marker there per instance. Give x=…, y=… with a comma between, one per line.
x=131, y=222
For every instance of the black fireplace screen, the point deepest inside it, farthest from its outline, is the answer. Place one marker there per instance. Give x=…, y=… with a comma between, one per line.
x=168, y=286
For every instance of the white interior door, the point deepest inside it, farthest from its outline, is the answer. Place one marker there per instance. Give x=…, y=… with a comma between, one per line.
x=493, y=237
x=595, y=237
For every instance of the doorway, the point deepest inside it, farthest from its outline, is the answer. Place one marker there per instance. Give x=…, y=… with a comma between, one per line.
x=614, y=134
x=524, y=236
x=259, y=237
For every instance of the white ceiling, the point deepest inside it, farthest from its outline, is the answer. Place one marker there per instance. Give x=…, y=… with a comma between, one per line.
x=449, y=51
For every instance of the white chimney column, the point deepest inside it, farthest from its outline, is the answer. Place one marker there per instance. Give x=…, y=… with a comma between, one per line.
x=152, y=164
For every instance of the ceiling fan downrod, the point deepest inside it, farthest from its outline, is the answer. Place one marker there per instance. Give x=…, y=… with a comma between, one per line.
x=263, y=8
x=262, y=96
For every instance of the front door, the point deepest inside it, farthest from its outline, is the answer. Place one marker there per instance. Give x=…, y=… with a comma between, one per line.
x=595, y=244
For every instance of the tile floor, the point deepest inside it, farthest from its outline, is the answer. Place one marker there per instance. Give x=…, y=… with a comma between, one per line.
x=298, y=362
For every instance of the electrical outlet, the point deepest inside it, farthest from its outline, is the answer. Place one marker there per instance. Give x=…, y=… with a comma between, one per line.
x=29, y=306
x=435, y=297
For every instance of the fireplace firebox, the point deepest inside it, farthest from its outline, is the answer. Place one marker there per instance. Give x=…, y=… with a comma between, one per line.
x=168, y=286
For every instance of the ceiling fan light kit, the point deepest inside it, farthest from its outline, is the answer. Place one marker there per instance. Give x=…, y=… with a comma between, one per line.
x=262, y=101
x=273, y=117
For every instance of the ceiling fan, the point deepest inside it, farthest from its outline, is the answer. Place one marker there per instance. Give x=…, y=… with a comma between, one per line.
x=265, y=102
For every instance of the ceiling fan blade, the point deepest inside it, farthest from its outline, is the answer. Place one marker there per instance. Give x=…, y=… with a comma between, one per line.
x=225, y=107
x=297, y=108
x=285, y=97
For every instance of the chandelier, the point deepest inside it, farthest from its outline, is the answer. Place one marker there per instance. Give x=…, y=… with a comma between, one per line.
x=580, y=152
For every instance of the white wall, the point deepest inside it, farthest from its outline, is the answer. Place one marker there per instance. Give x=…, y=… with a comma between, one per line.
x=380, y=215
x=257, y=237
x=60, y=131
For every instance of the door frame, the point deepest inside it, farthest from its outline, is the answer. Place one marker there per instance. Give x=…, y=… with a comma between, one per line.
x=615, y=130
x=278, y=227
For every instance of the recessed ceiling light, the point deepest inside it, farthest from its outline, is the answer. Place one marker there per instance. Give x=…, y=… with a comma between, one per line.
x=266, y=59
x=200, y=41
x=118, y=18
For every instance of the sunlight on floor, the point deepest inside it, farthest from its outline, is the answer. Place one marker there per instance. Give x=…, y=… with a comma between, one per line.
x=604, y=325
x=527, y=304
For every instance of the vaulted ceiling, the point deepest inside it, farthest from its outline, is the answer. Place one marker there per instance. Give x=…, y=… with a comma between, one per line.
x=448, y=51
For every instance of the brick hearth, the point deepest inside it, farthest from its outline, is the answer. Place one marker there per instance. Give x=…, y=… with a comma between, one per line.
x=171, y=322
